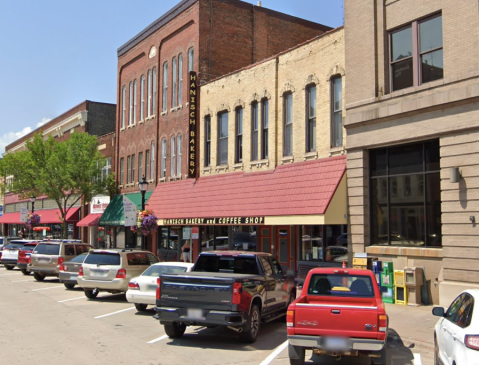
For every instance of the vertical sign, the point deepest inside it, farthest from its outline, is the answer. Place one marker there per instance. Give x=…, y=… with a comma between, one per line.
x=186, y=233
x=192, y=153
x=23, y=213
x=129, y=209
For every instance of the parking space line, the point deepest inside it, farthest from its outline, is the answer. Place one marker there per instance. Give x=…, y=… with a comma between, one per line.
x=67, y=300
x=275, y=353
x=51, y=287
x=417, y=359
x=22, y=281
x=158, y=339
x=111, y=314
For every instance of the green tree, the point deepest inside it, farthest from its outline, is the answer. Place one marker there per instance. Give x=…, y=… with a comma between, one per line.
x=65, y=171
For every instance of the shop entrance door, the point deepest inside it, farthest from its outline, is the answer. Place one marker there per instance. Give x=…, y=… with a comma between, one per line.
x=283, y=242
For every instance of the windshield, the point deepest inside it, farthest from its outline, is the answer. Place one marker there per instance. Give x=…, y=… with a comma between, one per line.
x=341, y=285
x=47, y=249
x=157, y=270
x=79, y=258
x=232, y=264
x=103, y=258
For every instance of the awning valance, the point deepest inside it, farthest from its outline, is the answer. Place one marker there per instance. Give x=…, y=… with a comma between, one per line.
x=114, y=214
x=90, y=220
x=49, y=216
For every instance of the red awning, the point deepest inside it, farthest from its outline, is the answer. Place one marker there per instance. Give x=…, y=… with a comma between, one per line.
x=51, y=216
x=90, y=220
x=303, y=188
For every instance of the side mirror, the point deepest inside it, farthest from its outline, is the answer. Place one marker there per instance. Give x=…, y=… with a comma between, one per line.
x=438, y=311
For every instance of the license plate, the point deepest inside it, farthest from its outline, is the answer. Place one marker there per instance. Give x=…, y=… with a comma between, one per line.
x=194, y=313
x=336, y=343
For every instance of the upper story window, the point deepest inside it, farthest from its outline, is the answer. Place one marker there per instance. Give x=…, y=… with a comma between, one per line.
x=336, y=112
x=165, y=87
x=207, y=141
x=311, y=118
x=123, y=106
x=190, y=59
x=128, y=169
x=153, y=101
x=142, y=97
x=149, y=93
x=106, y=168
x=152, y=161
x=173, y=157
x=147, y=164
x=180, y=79
x=174, y=82
x=264, y=128
x=140, y=166
x=288, y=124
x=254, y=130
x=222, y=155
x=134, y=101
x=178, y=155
x=130, y=119
x=122, y=166
x=417, y=53
x=239, y=135
x=132, y=178
x=163, y=158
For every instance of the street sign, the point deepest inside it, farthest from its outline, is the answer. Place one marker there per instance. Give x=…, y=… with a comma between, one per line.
x=23, y=214
x=186, y=233
x=129, y=210
x=195, y=233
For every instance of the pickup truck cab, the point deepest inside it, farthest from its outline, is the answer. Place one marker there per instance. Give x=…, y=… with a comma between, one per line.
x=225, y=288
x=339, y=313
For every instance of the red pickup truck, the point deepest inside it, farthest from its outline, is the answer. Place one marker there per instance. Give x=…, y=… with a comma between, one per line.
x=339, y=313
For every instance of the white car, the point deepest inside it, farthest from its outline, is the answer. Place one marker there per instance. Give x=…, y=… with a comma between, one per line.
x=142, y=289
x=456, y=334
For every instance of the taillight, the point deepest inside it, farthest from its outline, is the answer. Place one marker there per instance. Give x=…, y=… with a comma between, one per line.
x=472, y=341
x=62, y=267
x=237, y=289
x=80, y=272
x=158, y=281
x=121, y=274
x=382, y=326
x=290, y=319
x=133, y=286
x=60, y=260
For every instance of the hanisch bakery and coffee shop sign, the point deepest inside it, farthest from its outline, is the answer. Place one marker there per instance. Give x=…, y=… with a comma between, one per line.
x=214, y=221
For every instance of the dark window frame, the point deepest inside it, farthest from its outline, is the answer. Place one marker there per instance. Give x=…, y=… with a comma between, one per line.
x=287, y=125
x=311, y=119
x=207, y=140
x=336, y=135
x=219, y=159
x=239, y=135
x=254, y=130
x=264, y=128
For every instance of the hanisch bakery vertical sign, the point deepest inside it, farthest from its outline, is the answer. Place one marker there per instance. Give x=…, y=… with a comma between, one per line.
x=192, y=153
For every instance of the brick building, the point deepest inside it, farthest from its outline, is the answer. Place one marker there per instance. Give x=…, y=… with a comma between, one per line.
x=412, y=137
x=90, y=117
x=210, y=37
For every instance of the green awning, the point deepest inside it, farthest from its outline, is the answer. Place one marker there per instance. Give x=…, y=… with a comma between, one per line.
x=114, y=215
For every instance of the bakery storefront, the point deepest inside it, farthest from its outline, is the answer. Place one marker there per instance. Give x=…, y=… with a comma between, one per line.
x=296, y=212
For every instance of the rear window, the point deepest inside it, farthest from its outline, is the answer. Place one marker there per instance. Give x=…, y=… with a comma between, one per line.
x=79, y=258
x=14, y=246
x=29, y=246
x=47, y=249
x=232, y=264
x=137, y=258
x=103, y=258
x=157, y=270
x=341, y=285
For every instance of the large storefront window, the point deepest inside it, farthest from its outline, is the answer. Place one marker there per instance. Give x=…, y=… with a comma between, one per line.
x=216, y=238
x=405, y=195
x=324, y=243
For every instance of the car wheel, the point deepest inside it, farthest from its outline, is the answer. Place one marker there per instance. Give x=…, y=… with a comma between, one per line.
x=25, y=272
x=38, y=276
x=175, y=330
x=381, y=360
x=250, y=331
x=91, y=293
x=296, y=354
x=9, y=267
x=69, y=286
x=141, y=307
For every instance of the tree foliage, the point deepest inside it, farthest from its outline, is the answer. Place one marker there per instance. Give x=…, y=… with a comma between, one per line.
x=64, y=171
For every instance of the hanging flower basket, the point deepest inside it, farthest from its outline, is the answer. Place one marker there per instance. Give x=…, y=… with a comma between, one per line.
x=33, y=220
x=147, y=222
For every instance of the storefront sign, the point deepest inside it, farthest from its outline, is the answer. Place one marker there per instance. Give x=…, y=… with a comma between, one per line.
x=186, y=233
x=23, y=214
x=129, y=209
x=192, y=154
x=99, y=203
x=195, y=233
x=214, y=221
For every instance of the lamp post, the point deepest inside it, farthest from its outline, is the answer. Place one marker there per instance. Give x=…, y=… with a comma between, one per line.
x=32, y=200
x=143, y=186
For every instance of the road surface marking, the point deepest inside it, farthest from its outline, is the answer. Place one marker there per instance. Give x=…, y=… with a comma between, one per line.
x=417, y=359
x=275, y=353
x=50, y=287
x=67, y=300
x=22, y=281
x=111, y=314
x=158, y=339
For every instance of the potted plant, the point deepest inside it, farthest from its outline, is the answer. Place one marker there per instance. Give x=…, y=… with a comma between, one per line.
x=147, y=222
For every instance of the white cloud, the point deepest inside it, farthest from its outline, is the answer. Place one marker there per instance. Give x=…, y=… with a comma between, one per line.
x=11, y=137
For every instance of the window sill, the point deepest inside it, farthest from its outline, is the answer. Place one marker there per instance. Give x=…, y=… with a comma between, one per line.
x=176, y=108
x=164, y=113
x=310, y=156
x=287, y=159
x=222, y=168
x=120, y=186
x=206, y=169
x=162, y=179
x=175, y=177
x=122, y=129
x=334, y=151
x=405, y=251
x=238, y=166
x=259, y=163
x=141, y=121
x=150, y=181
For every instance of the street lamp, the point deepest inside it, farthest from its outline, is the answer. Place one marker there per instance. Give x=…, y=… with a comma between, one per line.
x=32, y=199
x=143, y=186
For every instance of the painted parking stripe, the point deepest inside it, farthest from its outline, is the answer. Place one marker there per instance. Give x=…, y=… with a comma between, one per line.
x=67, y=300
x=111, y=314
x=50, y=287
x=417, y=359
x=158, y=339
x=275, y=353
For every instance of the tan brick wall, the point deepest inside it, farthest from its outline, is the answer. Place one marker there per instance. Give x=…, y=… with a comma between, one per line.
x=314, y=62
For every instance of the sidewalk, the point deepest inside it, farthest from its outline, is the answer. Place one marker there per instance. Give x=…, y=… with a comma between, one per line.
x=412, y=325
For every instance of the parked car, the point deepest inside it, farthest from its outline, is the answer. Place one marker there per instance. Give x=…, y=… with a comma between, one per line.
x=111, y=270
x=10, y=253
x=68, y=271
x=340, y=312
x=47, y=257
x=24, y=257
x=142, y=289
x=456, y=334
x=235, y=289
x=342, y=239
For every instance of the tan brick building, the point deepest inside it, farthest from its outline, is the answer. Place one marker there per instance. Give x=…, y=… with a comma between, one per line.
x=412, y=124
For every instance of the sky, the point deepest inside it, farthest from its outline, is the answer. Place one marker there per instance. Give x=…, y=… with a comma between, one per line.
x=55, y=54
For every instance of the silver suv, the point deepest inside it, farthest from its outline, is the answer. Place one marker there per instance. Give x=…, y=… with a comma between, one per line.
x=110, y=270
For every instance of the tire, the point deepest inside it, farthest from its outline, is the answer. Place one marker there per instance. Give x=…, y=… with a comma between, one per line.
x=380, y=360
x=38, y=276
x=69, y=286
x=91, y=293
x=251, y=328
x=26, y=272
x=175, y=329
x=141, y=307
x=9, y=267
x=296, y=354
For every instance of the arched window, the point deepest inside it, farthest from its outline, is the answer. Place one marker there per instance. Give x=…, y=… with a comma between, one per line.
x=190, y=59
x=153, y=102
x=149, y=93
